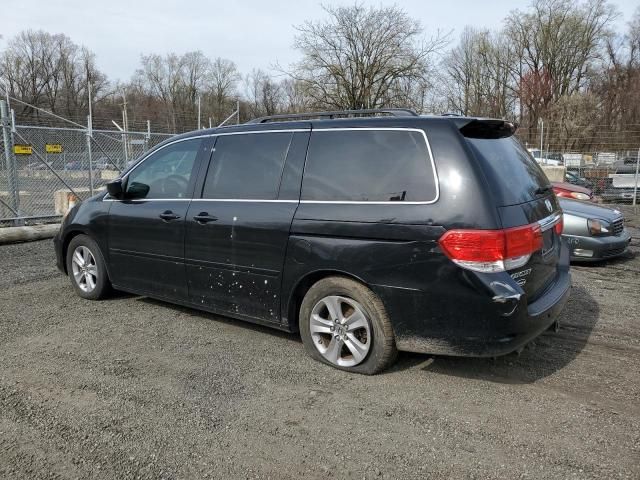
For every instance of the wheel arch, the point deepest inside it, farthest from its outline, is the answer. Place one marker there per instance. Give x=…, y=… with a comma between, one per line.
x=71, y=233
x=66, y=240
x=303, y=285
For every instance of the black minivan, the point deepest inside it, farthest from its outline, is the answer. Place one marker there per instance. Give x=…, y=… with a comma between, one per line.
x=368, y=232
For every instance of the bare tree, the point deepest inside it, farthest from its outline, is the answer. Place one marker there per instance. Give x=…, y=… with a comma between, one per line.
x=617, y=84
x=359, y=55
x=557, y=60
x=178, y=81
x=160, y=77
x=557, y=43
x=50, y=71
x=195, y=70
x=294, y=98
x=477, y=75
x=264, y=95
x=222, y=88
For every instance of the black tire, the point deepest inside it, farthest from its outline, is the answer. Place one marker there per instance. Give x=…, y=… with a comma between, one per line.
x=102, y=284
x=382, y=348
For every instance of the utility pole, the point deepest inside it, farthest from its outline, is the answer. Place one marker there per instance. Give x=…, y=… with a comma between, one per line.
x=89, y=93
x=6, y=91
x=125, y=114
x=238, y=111
x=89, y=135
x=199, y=124
x=541, y=122
x=125, y=126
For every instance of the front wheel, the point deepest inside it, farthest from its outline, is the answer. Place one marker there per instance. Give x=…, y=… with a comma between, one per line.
x=86, y=268
x=344, y=324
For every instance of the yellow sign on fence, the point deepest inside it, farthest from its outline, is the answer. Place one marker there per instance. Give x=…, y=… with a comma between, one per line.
x=53, y=148
x=22, y=149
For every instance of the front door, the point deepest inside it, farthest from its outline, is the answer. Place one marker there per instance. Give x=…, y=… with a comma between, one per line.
x=147, y=227
x=237, y=232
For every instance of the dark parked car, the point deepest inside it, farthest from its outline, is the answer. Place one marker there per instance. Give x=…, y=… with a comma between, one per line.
x=593, y=232
x=626, y=165
x=575, y=179
x=75, y=165
x=613, y=191
x=367, y=234
x=39, y=166
x=613, y=194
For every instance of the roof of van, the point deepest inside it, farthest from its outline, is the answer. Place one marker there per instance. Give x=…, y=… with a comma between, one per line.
x=460, y=122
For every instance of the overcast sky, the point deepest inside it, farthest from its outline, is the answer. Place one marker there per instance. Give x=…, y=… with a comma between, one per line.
x=252, y=33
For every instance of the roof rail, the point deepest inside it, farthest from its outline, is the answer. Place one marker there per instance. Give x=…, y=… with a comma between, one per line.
x=394, y=112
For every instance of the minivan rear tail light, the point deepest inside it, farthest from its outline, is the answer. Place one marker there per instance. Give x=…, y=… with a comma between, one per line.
x=492, y=250
x=559, y=226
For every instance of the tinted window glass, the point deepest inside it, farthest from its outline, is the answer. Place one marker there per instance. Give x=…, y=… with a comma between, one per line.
x=368, y=165
x=247, y=166
x=514, y=176
x=166, y=173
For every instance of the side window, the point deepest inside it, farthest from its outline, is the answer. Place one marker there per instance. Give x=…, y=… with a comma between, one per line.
x=368, y=165
x=166, y=173
x=247, y=166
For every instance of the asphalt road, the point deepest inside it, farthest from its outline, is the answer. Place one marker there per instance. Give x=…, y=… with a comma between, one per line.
x=134, y=388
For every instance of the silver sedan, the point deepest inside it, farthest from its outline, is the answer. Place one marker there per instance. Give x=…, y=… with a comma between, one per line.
x=593, y=232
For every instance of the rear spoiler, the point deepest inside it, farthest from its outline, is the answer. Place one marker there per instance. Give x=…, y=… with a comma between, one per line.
x=487, y=128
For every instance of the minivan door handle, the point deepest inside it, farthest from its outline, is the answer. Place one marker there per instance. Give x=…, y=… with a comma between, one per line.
x=168, y=215
x=204, y=217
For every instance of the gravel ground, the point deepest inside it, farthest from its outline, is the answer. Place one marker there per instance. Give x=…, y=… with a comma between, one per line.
x=134, y=388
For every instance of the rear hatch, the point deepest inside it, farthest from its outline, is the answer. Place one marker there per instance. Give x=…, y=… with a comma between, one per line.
x=522, y=194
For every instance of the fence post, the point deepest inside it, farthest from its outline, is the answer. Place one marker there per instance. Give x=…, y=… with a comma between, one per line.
x=147, y=137
x=635, y=183
x=126, y=154
x=89, y=133
x=12, y=172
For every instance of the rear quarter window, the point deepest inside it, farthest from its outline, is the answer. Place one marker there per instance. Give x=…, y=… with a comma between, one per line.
x=369, y=166
x=512, y=173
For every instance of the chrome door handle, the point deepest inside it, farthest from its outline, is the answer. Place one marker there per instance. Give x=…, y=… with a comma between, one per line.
x=204, y=217
x=168, y=215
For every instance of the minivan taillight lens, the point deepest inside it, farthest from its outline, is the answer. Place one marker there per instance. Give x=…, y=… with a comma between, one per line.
x=492, y=250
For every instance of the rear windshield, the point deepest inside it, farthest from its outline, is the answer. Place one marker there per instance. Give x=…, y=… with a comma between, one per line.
x=513, y=175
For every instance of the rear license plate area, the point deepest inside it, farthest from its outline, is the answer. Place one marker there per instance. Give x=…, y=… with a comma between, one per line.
x=548, y=242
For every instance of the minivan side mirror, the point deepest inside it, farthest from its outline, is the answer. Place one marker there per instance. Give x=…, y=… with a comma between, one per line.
x=137, y=190
x=115, y=188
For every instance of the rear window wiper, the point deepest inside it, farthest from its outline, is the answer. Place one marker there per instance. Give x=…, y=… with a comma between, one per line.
x=543, y=190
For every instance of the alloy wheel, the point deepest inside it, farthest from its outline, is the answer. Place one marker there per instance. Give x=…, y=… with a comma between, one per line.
x=340, y=330
x=85, y=270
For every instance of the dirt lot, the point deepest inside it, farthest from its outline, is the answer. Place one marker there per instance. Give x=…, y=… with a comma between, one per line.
x=133, y=388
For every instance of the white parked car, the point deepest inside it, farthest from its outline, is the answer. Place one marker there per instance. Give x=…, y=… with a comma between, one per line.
x=537, y=155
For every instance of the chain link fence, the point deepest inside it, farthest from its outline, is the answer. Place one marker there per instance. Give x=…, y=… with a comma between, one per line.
x=42, y=165
x=45, y=164
x=613, y=177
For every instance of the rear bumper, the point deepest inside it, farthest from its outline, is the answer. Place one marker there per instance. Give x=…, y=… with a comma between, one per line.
x=597, y=248
x=487, y=325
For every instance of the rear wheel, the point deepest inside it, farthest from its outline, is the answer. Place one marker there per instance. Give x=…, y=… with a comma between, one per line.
x=344, y=324
x=86, y=268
